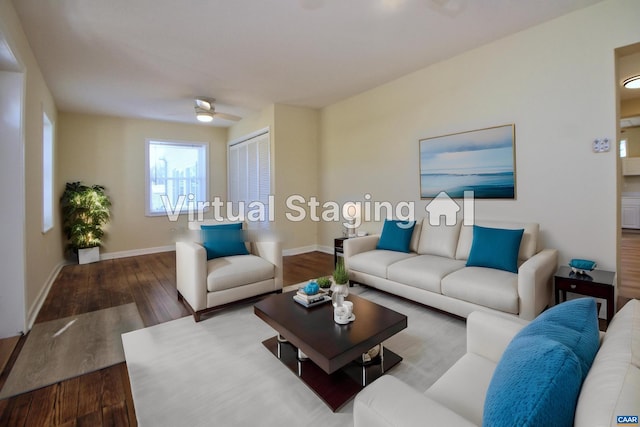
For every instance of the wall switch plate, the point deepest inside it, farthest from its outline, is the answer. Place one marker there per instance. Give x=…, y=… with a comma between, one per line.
x=601, y=145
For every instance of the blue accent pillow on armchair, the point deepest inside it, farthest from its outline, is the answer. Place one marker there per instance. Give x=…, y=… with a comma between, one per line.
x=495, y=248
x=536, y=383
x=223, y=240
x=538, y=378
x=396, y=235
x=573, y=323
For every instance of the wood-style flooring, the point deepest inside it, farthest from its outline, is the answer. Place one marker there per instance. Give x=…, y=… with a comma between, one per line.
x=629, y=267
x=103, y=398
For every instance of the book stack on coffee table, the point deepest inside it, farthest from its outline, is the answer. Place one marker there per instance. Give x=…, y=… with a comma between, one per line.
x=302, y=298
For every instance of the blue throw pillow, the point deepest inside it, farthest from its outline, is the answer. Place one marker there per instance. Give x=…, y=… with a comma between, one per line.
x=396, y=235
x=573, y=323
x=495, y=248
x=536, y=383
x=223, y=240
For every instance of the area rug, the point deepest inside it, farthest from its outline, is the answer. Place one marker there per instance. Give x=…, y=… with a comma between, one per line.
x=65, y=348
x=217, y=372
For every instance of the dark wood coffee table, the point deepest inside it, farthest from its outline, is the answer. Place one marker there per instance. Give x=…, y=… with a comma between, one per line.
x=333, y=370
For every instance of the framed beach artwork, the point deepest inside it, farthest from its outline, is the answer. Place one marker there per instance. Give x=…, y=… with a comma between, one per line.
x=482, y=161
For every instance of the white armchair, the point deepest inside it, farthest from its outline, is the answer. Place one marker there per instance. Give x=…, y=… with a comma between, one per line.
x=206, y=285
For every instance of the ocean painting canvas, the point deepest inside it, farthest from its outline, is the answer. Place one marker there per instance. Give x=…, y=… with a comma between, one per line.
x=482, y=161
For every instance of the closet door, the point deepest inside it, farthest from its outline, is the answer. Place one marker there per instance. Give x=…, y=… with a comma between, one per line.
x=249, y=176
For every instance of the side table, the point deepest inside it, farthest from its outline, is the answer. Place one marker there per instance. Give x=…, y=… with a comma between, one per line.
x=338, y=248
x=597, y=283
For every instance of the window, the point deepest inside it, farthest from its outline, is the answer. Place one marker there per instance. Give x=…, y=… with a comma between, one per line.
x=47, y=174
x=623, y=148
x=177, y=177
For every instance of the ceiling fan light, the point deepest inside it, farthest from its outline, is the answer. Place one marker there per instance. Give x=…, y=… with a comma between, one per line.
x=632, y=82
x=204, y=104
x=204, y=116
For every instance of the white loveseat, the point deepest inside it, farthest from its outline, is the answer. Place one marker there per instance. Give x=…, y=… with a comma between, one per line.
x=434, y=272
x=206, y=285
x=611, y=388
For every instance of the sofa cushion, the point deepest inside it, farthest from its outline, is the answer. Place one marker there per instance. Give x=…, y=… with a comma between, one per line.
x=223, y=240
x=495, y=248
x=390, y=402
x=463, y=387
x=233, y=271
x=528, y=245
x=396, y=235
x=573, y=323
x=612, y=387
x=439, y=240
x=376, y=262
x=415, y=236
x=536, y=383
x=423, y=271
x=497, y=289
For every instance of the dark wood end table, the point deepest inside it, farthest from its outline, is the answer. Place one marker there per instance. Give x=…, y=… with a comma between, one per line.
x=338, y=248
x=332, y=370
x=597, y=283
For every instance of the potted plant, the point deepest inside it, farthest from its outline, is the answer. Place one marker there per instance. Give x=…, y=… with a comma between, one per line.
x=340, y=283
x=324, y=282
x=85, y=211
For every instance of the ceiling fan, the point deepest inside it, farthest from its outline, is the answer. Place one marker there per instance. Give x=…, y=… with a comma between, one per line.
x=206, y=111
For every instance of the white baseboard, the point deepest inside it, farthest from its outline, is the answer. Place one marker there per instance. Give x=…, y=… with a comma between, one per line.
x=42, y=296
x=307, y=249
x=326, y=249
x=300, y=250
x=137, y=252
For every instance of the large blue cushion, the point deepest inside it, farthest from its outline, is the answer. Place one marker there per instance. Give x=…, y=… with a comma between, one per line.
x=538, y=378
x=573, y=323
x=223, y=240
x=536, y=383
x=495, y=248
x=396, y=235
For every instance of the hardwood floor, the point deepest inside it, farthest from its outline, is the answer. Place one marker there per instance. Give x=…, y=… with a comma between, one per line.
x=104, y=397
x=629, y=266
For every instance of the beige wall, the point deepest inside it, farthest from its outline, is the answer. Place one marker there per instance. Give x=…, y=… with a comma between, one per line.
x=630, y=108
x=535, y=79
x=296, y=158
x=631, y=184
x=294, y=137
x=110, y=151
x=43, y=251
x=632, y=135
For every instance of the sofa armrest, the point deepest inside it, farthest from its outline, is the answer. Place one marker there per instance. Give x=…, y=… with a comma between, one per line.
x=356, y=245
x=270, y=251
x=191, y=274
x=488, y=334
x=535, y=282
x=389, y=402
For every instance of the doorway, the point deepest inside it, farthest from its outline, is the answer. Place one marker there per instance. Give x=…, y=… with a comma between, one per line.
x=12, y=193
x=628, y=65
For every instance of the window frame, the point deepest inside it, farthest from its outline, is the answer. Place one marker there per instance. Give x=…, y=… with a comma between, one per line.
x=48, y=175
x=623, y=148
x=187, y=207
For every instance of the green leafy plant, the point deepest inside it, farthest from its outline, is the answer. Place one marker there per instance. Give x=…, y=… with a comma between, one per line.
x=85, y=211
x=324, y=282
x=340, y=274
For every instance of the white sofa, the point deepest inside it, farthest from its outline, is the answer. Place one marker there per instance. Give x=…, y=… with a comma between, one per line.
x=205, y=285
x=611, y=388
x=434, y=272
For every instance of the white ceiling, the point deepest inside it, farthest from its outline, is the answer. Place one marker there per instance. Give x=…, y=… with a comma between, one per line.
x=150, y=58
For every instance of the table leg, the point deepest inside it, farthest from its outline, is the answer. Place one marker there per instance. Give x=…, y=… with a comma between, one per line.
x=381, y=358
x=610, y=306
